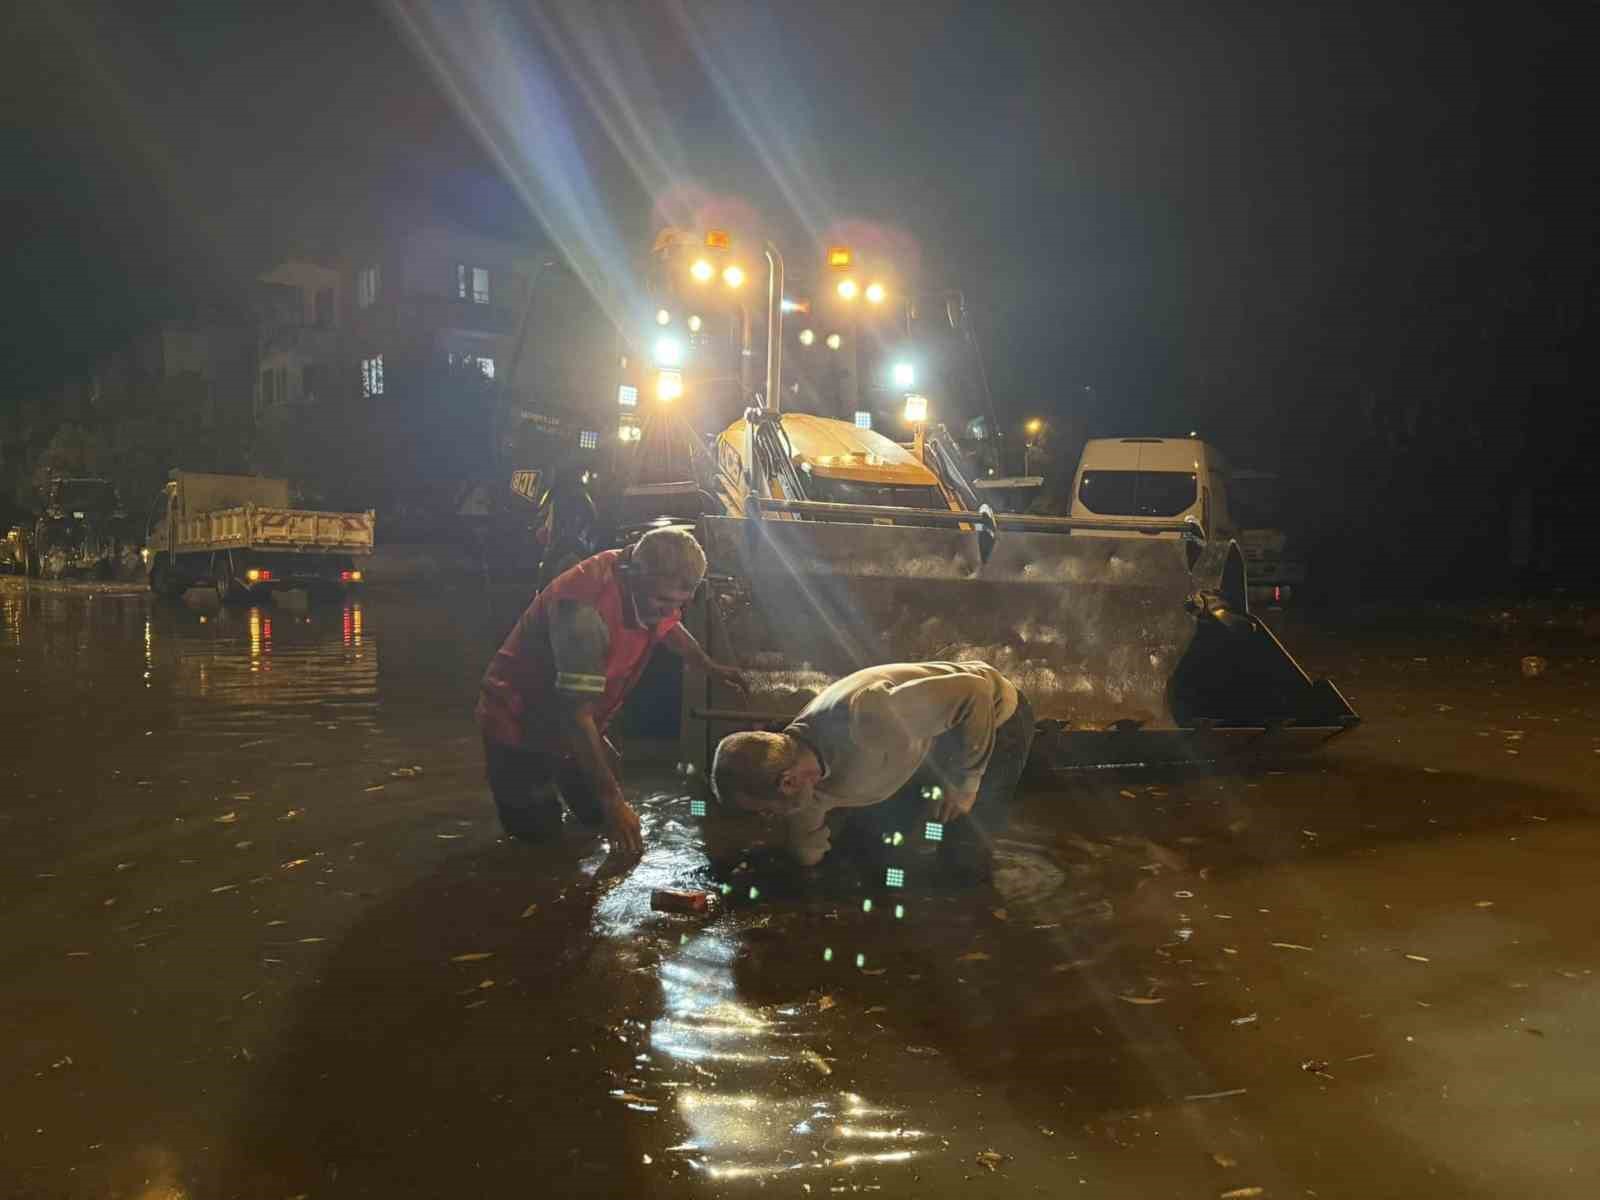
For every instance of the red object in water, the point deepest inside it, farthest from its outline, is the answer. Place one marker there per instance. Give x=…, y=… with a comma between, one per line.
x=671, y=900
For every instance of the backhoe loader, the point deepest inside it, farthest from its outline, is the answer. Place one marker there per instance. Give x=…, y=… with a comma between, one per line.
x=833, y=547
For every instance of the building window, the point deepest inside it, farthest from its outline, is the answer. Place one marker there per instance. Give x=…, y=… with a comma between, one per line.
x=589, y=439
x=372, y=375
x=366, y=286
x=482, y=362
x=325, y=308
x=627, y=395
x=863, y=420
x=472, y=283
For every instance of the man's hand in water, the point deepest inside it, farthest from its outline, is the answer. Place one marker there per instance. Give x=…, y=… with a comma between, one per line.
x=622, y=823
x=952, y=805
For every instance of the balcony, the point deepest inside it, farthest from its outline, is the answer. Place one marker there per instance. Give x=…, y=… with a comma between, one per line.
x=440, y=313
x=314, y=343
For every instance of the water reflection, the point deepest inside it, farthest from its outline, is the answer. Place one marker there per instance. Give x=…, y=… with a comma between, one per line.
x=262, y=660
x=754, y=1116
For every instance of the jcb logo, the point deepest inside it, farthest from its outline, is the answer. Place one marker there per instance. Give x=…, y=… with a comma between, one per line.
x=728, y=460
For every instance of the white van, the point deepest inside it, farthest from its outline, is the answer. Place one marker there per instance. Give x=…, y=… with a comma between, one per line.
x=1134, y=479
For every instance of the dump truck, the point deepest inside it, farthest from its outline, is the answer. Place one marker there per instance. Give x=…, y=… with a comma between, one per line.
x=831, y=548
x=238, y=535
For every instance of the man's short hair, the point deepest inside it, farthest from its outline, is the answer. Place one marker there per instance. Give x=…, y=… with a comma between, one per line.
x=671, y=553
x=747, y=766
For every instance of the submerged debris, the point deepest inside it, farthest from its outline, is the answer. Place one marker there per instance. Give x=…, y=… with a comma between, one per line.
x=990, y=1159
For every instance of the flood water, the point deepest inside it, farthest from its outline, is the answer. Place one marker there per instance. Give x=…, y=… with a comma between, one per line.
x=261, y=938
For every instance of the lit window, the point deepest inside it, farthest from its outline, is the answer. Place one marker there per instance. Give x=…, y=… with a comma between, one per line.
x=933, y=831
x=483, y=363
x=627, y=395
x=589, y=439
x=472, y=283
x=863, y=420
x=894, y=877
x=372, y=375
x=367, y=286
x=697, y=808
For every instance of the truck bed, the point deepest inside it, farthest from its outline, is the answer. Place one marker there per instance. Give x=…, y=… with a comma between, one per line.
x=256, y=527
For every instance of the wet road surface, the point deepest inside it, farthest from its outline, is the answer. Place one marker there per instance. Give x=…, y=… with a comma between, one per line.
x=261, y=938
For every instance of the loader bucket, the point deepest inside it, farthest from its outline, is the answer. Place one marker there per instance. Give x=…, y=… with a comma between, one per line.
x=1129, y=647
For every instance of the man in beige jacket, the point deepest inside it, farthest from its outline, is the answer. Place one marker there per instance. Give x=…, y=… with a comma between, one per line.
x=955, y=733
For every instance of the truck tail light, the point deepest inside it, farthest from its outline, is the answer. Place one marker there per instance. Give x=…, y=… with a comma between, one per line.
x=1277, y=595
x=258, y=575
x=349, y=576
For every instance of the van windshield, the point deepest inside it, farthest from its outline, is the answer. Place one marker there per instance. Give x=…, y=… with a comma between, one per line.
x=1138, y=493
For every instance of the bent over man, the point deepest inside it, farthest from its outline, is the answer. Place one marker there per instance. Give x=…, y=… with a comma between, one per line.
x=875, y=737
x=565, y=670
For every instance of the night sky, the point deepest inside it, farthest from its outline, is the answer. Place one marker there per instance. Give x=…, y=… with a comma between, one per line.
x=1222, y=216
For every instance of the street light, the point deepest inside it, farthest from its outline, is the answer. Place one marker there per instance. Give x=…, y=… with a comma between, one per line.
x=876, y=293
x=904, y=374
x=669, y=386
x=702, y=271
x=694, y=324
x=847, y=289
x=834, y=341
x=663, y=317
x=807, y=336
x=733, y=276
x=1033, y=427
x=669, y=352
x=916, y=408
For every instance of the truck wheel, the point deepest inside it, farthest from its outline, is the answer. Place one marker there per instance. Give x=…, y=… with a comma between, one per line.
x=222, y=580
x=162, y=580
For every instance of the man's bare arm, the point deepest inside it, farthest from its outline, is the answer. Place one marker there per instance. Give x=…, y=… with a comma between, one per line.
x=684, y=644
x=583, y=737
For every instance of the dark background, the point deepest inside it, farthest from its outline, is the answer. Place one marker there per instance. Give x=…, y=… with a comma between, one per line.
x=1349, y=242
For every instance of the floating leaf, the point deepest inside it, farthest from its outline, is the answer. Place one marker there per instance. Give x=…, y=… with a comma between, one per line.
x=227, y=818
x=973, y=956
x=227, y=887
x=825, y=1003
x=1244, y=1193
x=1224, y=1160
x=295, y=862
x=309, y=941
x=1142, y=999
x=1418, y=958
x=813, y=1059
x=989, y=1159
x=1289, y=946
x=1000, y=914
x=477, y=956
x=528, y=912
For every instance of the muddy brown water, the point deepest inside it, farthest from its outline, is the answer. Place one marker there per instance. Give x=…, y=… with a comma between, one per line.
x=261, y=938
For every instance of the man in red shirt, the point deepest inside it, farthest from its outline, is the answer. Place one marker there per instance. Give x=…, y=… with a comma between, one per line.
x=564, y=671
